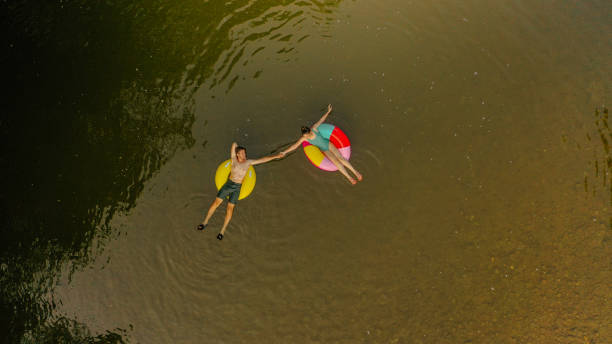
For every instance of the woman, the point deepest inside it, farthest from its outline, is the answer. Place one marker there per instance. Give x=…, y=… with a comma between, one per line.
x=315, y=138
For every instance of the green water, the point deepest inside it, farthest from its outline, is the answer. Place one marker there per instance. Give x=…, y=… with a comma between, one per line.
x=481, y=129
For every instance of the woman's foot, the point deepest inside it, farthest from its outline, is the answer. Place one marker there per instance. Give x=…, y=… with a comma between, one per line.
x=352, y=181
x=359, y=176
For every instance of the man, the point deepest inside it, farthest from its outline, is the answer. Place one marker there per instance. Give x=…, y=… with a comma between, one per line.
x=231, y=188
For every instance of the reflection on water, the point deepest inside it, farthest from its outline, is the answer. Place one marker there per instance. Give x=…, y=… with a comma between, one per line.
x=100, y=97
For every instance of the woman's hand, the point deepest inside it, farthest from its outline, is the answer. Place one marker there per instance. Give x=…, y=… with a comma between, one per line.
x=329, y=108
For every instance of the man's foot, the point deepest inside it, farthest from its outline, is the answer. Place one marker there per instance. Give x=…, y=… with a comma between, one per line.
x=220, y=236
x=202, y=226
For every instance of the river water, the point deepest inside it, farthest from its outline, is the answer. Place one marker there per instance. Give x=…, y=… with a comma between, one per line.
x=481, y=129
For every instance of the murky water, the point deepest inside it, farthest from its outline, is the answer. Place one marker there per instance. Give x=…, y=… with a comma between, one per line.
x=481, y=130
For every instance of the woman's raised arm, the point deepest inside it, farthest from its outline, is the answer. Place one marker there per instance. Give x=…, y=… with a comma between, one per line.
x=323, y=118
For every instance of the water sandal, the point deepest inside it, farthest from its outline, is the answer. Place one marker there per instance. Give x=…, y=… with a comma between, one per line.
x=201, y=226
x=220, y=236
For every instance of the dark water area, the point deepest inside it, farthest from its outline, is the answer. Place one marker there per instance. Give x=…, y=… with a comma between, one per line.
x=69, y=66
x=98, y=96
x=481, y=128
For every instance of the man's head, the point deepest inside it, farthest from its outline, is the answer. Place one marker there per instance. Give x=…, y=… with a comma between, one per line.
x=305, y=130
x=241, y=153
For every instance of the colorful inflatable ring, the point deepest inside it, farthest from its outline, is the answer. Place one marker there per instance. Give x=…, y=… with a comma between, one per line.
x=223, y=172
x=335, y=136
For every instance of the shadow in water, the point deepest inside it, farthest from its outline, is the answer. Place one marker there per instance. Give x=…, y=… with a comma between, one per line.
x=602, y=167
x=100, y=96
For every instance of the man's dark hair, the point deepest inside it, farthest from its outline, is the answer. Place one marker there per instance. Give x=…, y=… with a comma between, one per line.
x=239, y=148
x=305, y=130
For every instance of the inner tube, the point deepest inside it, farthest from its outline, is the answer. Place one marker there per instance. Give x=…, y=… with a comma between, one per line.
x=223, y=172
x=337, y=137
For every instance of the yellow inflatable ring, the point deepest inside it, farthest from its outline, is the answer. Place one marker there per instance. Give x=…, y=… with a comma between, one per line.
x=223, y=172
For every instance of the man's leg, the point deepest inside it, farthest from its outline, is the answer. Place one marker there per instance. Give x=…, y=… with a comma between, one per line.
x=215, y=204
x=228, y=217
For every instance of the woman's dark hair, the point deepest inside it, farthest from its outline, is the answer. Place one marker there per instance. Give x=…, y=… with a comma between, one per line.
x=305, y=130
x=239, y=148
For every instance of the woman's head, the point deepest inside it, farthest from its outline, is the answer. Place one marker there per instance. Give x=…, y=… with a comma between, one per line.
x=305, y=130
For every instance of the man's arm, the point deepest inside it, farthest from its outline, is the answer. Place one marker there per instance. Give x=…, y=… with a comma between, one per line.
x=323, y=118
x=266, y=159
x=233, y=151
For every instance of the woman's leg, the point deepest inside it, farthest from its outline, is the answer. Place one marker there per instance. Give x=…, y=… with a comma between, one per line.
x=338, y=164
x=343, y=161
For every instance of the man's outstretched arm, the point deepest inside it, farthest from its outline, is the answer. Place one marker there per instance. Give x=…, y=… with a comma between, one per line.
x=266, y=159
